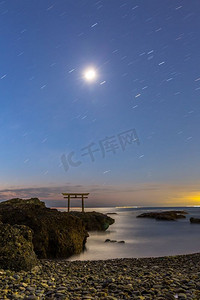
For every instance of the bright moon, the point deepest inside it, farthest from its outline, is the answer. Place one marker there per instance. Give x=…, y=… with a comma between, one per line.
x=90, y=75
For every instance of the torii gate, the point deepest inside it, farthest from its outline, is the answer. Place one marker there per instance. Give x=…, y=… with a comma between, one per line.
x=70, y=196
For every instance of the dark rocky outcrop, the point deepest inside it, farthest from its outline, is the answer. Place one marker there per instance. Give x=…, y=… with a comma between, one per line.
x=114, y=241
x=107, y=241
x=94, y=221
x=110, y=241
x=195, y=220
x=16, y=248
x=164, y=215
x=55, y=234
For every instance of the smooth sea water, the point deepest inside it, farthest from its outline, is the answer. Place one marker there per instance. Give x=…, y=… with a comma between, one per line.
x=143, y=237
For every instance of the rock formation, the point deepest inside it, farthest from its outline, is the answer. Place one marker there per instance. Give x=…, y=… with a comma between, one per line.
x=164, y=215
x=94, y=221
x=16, y=248
x=195, y=220
x=55, y=234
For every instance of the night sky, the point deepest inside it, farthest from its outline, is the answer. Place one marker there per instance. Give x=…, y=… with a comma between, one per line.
x=130, y=136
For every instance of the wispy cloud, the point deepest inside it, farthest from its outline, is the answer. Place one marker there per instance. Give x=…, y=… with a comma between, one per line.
x=56, y=191
x=138, y=194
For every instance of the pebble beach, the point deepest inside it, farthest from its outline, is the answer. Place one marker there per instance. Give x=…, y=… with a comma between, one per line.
x=175, y=277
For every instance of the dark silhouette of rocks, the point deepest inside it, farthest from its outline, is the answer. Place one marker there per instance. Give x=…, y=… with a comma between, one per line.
x=114, y=241
x=195, y=220
x=107, y=241
x=16, y=248
x=94, y=221
x=110, y=241
x=164, y=215
x=55, y=234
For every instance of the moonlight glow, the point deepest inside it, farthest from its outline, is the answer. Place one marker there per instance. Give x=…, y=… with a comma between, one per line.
x=90, y=75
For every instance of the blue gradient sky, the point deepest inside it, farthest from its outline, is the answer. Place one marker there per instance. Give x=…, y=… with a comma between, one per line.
x=146, y=54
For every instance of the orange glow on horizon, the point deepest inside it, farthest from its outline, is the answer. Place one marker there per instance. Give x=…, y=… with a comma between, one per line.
x=192, y=198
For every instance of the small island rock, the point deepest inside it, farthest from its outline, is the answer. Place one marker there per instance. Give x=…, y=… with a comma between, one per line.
x=107, y=241
x=195, y=220
x=164, y=215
